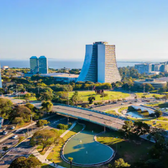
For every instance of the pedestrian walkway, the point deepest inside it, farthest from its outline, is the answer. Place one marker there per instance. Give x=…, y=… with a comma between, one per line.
x=42, y=158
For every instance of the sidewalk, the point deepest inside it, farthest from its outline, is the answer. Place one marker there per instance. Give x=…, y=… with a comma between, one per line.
x=42, y=158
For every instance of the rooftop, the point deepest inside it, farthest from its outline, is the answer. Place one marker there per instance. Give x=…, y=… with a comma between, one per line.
x=42, y=56
x=60, y=75
x=33, y=57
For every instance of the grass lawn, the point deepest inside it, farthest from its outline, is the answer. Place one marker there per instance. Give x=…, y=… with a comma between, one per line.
x=153, y=104
x=46, y=166
x=22, y=98
x=130, y=151
x=160, y=124
x=111, y=112
x=55, y=154
x=122, y=108
x=139, y=95
x=112, y=95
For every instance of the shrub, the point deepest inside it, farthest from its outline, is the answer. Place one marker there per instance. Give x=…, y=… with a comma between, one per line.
x=104, y=95
x=85, y=105
x=62, y=126
x=21, y=138
x=130, y=108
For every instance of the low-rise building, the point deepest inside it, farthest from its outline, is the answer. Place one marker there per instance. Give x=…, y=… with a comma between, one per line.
x=62, y=77
x=154, y=82
x=144, y=68
x=5, y=67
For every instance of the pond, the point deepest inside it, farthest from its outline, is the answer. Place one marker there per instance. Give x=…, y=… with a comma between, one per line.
x=85, y=151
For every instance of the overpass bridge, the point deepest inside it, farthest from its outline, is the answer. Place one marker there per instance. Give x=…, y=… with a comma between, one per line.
x=97, y=117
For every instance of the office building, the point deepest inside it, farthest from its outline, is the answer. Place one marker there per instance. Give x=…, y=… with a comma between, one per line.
x=100, y=64
x=34, y=65
x=43, y=65
x=152, y=68
x=38, y=65
x=144, y=68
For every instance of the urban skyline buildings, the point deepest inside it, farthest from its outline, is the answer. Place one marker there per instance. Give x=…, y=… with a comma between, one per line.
x=38, y=65
x=152, y=68
x=100, y=64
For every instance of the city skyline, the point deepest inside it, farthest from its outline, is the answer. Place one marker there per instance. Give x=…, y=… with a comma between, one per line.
x=138, y=29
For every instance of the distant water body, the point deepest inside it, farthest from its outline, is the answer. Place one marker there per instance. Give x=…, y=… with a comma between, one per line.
x=58, y=64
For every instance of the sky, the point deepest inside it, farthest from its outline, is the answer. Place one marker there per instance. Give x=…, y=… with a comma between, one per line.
x=60, y=29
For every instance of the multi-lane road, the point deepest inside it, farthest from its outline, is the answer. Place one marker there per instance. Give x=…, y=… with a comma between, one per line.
x=24, y=148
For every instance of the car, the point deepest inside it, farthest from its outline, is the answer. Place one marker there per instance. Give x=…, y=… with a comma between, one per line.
x=13, y=127
x=15, y=137
x=5, y=132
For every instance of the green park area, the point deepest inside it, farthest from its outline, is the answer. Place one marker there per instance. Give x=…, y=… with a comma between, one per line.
x=141, y=95
x=129, y=150
x=160, y=122
x=110, y=95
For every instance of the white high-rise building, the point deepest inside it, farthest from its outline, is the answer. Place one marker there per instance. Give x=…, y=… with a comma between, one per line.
x=43, y=65
x=0, y=78
x=100, y=64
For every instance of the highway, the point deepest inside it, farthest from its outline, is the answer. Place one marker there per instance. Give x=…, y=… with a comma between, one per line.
x=91, y=116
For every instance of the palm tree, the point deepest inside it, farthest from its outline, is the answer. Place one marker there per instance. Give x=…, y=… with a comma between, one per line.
x=70, y=161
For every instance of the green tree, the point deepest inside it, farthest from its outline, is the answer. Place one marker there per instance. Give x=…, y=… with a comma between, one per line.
x=6, y=106
x=23, y=162
x=41, y=123
x=47, y=106
x=158, y=112
x=141, y=128
x=2, y=91
x=21, y=111
x=30, y=106
x=165, y=97
x=91, y=99
x=70, y=161
x=75, y=98
x=27, y=96
x=120, y=163
x=18, y=120
x=46, y=96
x=44, y=138
x=127, y=127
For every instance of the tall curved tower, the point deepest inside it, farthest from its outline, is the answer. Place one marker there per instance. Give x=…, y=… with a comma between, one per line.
x=100, y=64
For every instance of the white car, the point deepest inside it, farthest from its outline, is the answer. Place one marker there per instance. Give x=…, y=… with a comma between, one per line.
x=15, y=137
x=4, y=132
